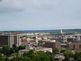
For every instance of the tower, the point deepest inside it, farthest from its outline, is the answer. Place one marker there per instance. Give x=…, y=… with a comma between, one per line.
x=61, y=31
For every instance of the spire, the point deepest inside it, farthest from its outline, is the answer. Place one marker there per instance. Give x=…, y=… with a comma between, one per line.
x=61, y=31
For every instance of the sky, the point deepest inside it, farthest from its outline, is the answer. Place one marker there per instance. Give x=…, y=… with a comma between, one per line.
x=40, y=14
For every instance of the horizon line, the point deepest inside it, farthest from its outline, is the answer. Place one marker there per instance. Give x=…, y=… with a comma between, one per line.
x=41, y=29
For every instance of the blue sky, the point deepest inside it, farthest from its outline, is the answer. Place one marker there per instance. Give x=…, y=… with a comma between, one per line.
x=39, y=14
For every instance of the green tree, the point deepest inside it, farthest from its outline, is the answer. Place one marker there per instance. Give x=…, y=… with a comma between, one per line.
x=37, y=56
x=55, y=50
x=6, y=50
x=7, y=59
x=26, y=58
x=40, y=56
x=68, y=54
x=2, y=58
x=21, y=47
x=30, y=54
x=13, y=59
x=77, y=56
x=15, y=48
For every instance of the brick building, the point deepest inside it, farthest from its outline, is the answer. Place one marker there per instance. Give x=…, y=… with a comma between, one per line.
x=52, y=45
x=74, y=46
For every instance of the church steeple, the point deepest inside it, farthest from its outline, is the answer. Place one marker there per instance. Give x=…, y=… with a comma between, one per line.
x=61, y=31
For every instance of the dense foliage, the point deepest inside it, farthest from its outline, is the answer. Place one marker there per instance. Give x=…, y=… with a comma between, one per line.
x=12, y=54
x=29, y=56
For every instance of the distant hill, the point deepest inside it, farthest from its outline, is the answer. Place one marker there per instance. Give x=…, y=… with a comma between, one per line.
x=64, y=30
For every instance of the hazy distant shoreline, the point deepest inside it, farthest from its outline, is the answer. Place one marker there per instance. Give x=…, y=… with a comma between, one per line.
x=57, y=30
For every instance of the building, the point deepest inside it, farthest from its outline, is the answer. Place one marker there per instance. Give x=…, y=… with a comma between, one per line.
x=74, y=46
x=49, y=44
x=8, y=40
x=43, y=49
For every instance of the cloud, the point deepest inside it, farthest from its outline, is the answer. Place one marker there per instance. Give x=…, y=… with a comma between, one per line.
x=12, y=5
x=40, y=14
x=18, y=5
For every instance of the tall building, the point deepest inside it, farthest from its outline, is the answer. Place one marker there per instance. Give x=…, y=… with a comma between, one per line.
x=3, y=40
x=8, y=40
